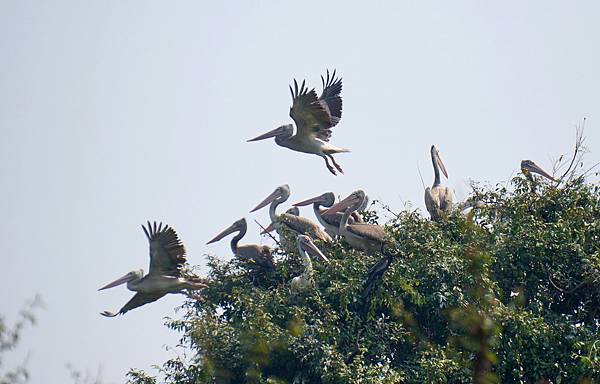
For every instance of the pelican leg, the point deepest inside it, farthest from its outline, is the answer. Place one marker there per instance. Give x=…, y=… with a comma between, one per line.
x=329, y=166
x=339, y=168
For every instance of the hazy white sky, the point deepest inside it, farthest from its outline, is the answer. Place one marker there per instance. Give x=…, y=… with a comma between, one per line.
x=115, y=112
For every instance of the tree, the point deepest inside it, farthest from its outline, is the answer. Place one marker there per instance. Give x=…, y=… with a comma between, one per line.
x=509, y=292
x=10, y=338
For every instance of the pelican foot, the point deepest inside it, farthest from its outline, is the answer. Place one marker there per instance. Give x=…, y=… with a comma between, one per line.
x=108, y=314
x=337, y=166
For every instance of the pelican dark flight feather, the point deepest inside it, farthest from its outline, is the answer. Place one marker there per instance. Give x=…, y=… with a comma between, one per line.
x=167, y=257
x=314, y=117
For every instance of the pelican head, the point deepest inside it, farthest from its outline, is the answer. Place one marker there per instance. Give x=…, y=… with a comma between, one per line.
x=284, y=132
x=437, y=160
x=530, y=166
x=305, y=243
x=327, y=200
x=281, y=194
x=353, y=202
x=128, y=278
x=238, y=225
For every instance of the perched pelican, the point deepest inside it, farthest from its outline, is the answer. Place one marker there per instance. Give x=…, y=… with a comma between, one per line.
x=294, y=211
x=528, y=167
x=167, y=256
x=262, y=255
x=305, y=280
x=438, y=199
x=300, y=225
x=366, y=237
x=330, y=222
x=314, y=118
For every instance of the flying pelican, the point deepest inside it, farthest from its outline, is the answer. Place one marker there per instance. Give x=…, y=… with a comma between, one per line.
x=262, y=255
x=298, y=224
x=167, y=256
x=438, y=199
x=314, y=118
x=528, y=167
x=366, y=237
x=330, y=222
x=305, y=280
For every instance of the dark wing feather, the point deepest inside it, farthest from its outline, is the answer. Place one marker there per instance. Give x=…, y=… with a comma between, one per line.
x=308, y=113
x=375, y=273
x=137, y=300
x=167, y=253
x=331, y=101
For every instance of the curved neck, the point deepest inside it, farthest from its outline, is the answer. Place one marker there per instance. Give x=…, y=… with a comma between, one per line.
x=308, y=267
x=273, y=207
x=436, y=171
x=346, y=216
x=237, y=238
x=317, y=212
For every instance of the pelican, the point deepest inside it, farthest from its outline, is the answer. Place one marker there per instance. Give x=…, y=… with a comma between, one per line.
x=438, y=199
x=300, y=225
x=528, y=167
x=262, y=255
x=330, y=222
x=314, y=118
x=295, y=211
x=366, y=237
x=167, y=256
x=305, y=280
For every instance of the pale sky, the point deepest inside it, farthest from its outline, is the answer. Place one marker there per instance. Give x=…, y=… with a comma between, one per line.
x=117, y=112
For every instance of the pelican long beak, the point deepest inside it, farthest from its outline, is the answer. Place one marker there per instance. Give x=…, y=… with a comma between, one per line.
x=232, y=228
x=441, y=164
x=269, y=199
x=317, y=199
x=341, y=206
x=534, y=168
x=267, y=135
x=119, y=281
x=270, y=228
x=312, y=249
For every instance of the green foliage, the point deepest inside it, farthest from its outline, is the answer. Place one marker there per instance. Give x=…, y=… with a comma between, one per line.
x=509, y=292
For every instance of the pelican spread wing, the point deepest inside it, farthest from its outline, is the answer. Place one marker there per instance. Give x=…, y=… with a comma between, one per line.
x=167, y=254
x=314, y=117
x=137, y=300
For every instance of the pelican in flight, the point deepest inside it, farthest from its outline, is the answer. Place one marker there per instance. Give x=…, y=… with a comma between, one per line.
x=167, y=256
x=314, y=118
x=528, y=167
x=330, y=222
x=298, y=224
x=261, y=255
x=438, y=199
x=305, y=280
x=361, y=236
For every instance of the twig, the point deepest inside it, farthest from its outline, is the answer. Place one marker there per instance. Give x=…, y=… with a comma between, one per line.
x=421, y=176
x=267, y=233
x=578, y=146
